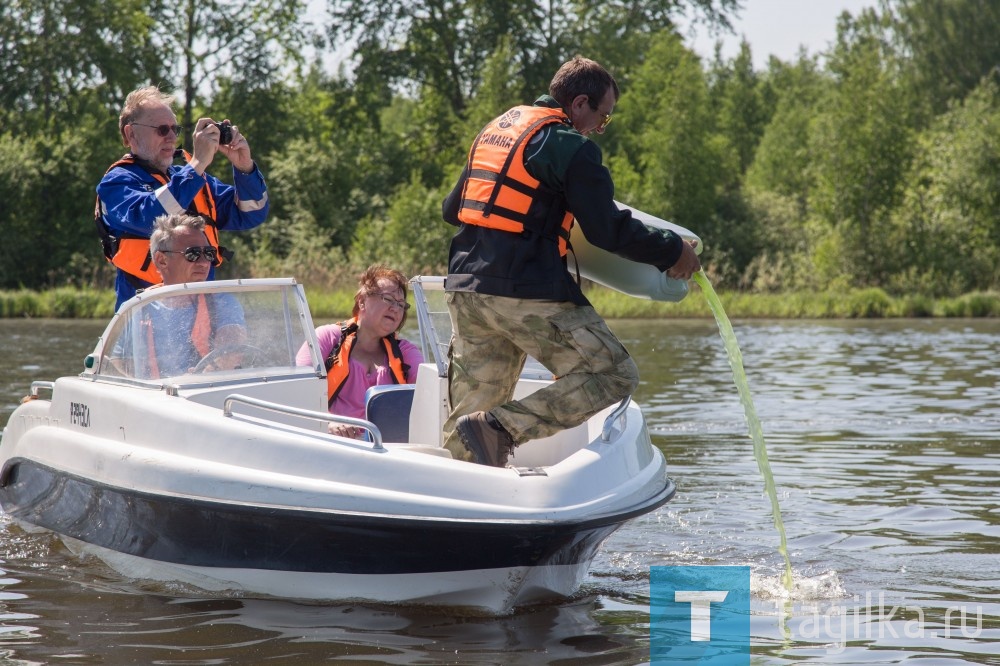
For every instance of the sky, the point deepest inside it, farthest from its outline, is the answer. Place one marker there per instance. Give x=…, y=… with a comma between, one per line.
x=778, y=27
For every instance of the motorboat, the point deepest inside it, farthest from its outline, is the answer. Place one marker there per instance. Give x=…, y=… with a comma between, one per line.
x=219, y=471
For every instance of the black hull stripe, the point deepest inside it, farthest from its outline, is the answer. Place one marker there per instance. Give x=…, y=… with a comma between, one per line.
x=216, y=534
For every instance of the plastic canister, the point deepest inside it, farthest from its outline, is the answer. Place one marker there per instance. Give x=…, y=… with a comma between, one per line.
x=629, y=277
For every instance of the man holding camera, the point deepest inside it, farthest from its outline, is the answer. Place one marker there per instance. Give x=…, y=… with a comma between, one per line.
x=145, y=184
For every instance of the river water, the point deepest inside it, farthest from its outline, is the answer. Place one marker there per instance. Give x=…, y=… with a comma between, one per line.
x=884, y=440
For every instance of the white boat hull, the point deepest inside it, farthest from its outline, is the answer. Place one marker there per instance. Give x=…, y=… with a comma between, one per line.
x=226, y=484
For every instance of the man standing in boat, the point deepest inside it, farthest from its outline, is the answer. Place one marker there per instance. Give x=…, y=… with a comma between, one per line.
x=530, y=173
x=145, y=184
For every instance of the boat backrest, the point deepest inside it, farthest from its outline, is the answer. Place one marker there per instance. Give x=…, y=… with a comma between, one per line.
x=430, y=406
x=388, y=407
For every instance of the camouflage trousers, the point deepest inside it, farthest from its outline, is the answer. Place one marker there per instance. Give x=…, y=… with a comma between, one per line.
x=494, y=334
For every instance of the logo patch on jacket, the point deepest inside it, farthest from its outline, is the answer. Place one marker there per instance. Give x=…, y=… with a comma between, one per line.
x=508, y=119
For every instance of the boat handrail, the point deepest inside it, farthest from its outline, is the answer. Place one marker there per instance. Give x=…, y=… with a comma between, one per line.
x=40, y=384
x=376, y=435
x=620, y=412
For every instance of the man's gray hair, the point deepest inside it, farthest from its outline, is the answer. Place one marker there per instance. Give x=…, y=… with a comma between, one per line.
x=136, y=101
x=165, y=229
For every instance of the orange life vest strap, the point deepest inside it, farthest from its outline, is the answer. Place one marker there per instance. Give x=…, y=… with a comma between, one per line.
x=201, y=335
x=338, y=361
x=130, y=252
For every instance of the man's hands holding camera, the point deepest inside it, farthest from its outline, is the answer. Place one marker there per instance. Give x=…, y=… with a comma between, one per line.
x=211, y=137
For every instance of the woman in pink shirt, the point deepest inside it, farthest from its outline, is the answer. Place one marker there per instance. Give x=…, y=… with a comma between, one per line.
x=365, y=351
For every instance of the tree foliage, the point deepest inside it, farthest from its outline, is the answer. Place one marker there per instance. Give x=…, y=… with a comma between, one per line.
x=63, y=59
x=950, y=45
x=199, y=42
x=875, y=163
x=946, y=228
x=440, y=45
x=861, y=148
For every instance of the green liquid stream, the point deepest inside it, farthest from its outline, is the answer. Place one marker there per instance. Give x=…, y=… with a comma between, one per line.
x=740, y=378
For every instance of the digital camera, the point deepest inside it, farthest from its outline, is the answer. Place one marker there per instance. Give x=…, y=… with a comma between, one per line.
x=225, y=132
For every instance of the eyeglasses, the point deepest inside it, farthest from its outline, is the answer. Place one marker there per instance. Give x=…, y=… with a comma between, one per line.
x=604, y=123
x=163, y=130
x=393, y=303
x=193, y=254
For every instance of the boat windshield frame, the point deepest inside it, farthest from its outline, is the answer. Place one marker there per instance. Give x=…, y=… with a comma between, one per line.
x=257, y=327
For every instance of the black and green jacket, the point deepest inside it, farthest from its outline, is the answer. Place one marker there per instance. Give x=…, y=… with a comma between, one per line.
x=528, y=265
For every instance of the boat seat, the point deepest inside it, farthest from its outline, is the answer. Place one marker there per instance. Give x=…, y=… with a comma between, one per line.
x=388, y=407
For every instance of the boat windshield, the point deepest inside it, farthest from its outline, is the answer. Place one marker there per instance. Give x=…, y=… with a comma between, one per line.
x=245, y=327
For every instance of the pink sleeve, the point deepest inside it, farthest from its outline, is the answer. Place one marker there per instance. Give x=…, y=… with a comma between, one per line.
x=328, y=337
x=412, y=356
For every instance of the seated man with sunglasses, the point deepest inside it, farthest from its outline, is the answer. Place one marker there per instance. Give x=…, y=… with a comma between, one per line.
x=179, y=332
x=145, y=184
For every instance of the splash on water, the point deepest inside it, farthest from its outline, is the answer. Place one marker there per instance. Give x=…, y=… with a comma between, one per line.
x=806, y=588
x=756, y=433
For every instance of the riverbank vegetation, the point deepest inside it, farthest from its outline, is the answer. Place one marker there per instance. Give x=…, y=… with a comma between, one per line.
x=842, y=183
x=326, y=306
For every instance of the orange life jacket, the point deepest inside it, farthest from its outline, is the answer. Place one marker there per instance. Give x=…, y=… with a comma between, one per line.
x=201, y=335
x=130, y=252
x=338, y=362
x=499, y=192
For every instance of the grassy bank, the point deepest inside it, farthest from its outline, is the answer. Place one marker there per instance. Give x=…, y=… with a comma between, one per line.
x=67, y=302
x=857, y=304
x=59, y=303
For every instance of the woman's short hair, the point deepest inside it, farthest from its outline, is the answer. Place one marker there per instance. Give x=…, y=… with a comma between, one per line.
x=368, y=284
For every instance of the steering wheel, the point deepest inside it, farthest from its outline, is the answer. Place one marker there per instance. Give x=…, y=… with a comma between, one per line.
x=211, y=357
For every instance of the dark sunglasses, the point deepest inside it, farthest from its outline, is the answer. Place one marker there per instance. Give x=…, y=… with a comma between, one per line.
x=193, y=254
x=163, y=130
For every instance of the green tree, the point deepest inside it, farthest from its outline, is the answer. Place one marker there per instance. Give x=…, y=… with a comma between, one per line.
x=427, y=130
x=441, y=44
x=329, y=180
x=951, y=45
x=782, y=161
x=47, y=187
x=200, y=42
x=498, y=91
x=669, y=160
x=410, y=236
x=947, y=227
x=861, y=149
x=274, y=116
x=780, y=179
x=61, y=59
x=740, y=103
x=437, y=45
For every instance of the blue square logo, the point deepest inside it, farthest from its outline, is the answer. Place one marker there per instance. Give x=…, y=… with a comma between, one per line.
x=699, y=615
